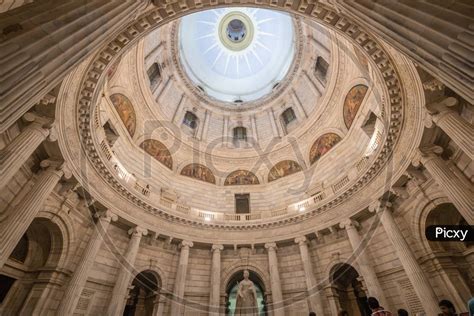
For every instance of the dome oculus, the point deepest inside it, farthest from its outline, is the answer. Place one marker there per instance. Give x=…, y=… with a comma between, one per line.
x=236, y=53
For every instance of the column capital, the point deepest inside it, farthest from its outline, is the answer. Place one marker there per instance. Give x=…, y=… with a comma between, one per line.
x=425, y=153
x=379, y=206
x=400, y=192
x=137, y=231
x=271, y=246
x=187, y=244
x=444, y=105
x=349, y=224
x=60, y=167
x=106, y=215
x=301, y=240
x=217, y=247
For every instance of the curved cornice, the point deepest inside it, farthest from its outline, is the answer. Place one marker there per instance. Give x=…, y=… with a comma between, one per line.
x=82, y=100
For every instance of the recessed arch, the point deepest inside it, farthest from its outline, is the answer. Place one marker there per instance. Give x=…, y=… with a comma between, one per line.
x=199, y=172
x=352, y=103
x=159, y=151
x=144, y=293
x=345, y=279
x=125, y=110
x=282, y=169
x=322, y=145
x=241, y=177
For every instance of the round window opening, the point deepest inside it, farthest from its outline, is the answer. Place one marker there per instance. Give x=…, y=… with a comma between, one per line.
x=236, y=30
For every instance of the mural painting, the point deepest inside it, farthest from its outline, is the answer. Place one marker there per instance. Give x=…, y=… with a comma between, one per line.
x=352, y=103
x=322, y=145
x=198, y=172
x=283, y=169
x=157, y=150
x=241, y=177
x=125, y=110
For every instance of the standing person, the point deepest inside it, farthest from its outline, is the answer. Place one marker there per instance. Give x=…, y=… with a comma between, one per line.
x=376, y=309
x=447, y=308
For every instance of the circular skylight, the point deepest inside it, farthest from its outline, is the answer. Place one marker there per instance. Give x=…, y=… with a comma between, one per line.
x=237, y=53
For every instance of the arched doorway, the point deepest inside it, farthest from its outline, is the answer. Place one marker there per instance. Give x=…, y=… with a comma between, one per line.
x=144, y=295
x=352, y=297
x=455, y=259
x=22, y=291
x=231, y=292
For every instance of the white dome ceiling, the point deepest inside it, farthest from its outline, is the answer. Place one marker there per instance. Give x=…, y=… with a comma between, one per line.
x=245, y=67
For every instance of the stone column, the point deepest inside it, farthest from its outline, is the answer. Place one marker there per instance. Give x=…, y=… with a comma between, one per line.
x=18, y=218
x=314, y=293
x=159, y=307
x=40, y=49
x=120, y=291
x=16, y=153
x=457, y=128
x=275, y=284
x=449, y=59
x=79, y=278
x=214, y=299
x=419, y=281
x=180, y=281
x=333, y=298
x=363, y=261
x=459, y=190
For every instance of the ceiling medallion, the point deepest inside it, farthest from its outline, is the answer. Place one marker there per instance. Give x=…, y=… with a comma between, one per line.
x=236, y=31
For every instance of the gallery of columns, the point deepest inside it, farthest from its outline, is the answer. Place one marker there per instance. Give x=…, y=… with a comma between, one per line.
x=210, y=157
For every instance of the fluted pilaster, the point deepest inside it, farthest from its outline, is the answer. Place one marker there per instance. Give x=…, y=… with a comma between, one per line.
x=443, y=45
x=45, y=47
x=18, y=217
x=363, y=261
x=315, y=299
x=456, y=127
x=459, y=190
x=418, y=279
x=16, y=153
x=180, y=281
x=214, y=299
x=275, y=283
x=79, y=278
x=120, y=291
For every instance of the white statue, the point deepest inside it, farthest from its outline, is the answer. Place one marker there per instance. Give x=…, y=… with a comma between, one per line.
x=246, y=297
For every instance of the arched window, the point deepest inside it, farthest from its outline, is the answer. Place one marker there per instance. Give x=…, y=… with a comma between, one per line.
x=154, y=74
x=190, y=119
x=240, y=133
x=321, y=68
x=288, y=116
